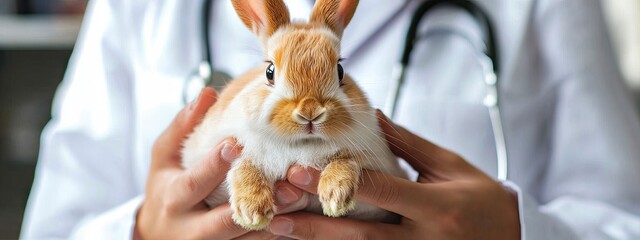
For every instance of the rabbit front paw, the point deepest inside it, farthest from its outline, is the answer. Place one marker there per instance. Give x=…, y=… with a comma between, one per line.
x=337, y=200
x=253, y=212
x=251, y=196
x=337, y=188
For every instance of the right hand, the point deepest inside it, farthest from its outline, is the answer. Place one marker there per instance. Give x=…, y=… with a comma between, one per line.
x=174, y=205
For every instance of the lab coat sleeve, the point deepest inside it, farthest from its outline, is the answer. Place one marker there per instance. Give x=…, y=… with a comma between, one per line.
x=591, y=182
x=84, y=187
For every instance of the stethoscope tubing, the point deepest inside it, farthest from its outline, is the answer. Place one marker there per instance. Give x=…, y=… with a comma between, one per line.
x=489, y=62
x=206, y=28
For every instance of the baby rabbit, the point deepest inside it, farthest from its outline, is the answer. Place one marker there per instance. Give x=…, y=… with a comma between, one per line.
x=297, y=108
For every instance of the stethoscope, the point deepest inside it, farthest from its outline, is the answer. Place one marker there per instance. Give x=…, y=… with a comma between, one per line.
x=487, y=58
x=206, y=75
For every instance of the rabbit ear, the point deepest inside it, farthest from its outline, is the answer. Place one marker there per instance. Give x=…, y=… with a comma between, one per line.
x=336, y=14
x=263, y=17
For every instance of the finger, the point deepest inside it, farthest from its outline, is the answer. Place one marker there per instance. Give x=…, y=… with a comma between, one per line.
x=393, y=194
x=218, y=224
x=166, y=149
x=303, y=225
x=379, y=189
x=421, y=154
x=206, y=175
x=289, y=198
x=304, y=178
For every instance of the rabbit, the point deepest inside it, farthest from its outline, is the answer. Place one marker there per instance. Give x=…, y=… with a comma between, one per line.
x=298, y=108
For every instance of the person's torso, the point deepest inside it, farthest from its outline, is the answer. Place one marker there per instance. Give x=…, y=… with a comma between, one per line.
x=441, y=98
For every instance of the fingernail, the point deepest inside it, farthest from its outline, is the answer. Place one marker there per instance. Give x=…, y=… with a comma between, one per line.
x=281, y=226
x=300, y=176
x=286, y=196
x=228, y=152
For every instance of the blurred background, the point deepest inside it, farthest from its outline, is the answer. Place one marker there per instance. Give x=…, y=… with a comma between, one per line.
x=36, y=40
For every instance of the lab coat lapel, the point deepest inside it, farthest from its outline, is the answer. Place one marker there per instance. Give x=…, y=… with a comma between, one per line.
x=364, y=24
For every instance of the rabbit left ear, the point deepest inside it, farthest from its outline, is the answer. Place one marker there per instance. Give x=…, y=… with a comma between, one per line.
x=336, y=14
x=263, y=17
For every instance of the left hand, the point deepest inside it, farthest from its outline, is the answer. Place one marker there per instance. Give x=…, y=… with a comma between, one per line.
x=451, y=199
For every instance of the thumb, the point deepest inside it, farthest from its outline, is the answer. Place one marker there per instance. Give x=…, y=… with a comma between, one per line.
x=420, y=153
x=431, y=161
x=166, y=149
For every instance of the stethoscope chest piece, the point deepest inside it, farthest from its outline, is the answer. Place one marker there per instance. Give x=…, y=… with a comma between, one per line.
x=219, y=79
x=204, y=77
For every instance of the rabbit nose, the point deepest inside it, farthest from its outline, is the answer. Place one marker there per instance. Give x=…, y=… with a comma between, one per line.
x=318, y=117
x=309, y=110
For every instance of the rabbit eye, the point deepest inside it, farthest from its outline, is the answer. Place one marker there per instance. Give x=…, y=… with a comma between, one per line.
x=340, y=73
x=270, y=70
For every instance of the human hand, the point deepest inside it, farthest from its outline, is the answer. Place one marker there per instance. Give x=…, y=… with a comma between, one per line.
x=173, y=207
x=451, y=199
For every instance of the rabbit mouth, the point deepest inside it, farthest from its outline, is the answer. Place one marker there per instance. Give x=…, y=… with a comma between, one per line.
x=310, y=133
x=309, y=128
x=312, y=129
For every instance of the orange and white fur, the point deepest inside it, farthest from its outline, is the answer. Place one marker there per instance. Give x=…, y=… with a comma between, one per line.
x=305, y=114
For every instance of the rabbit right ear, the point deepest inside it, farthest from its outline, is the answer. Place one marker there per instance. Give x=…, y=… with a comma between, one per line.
x=263, y=17
x=336, y=14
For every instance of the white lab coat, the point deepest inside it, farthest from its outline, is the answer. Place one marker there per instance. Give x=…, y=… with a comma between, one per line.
x=571, y=128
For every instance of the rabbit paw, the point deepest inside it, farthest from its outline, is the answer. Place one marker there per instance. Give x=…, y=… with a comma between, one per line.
x=251, y=196
x=253, y=213
x=336, y=195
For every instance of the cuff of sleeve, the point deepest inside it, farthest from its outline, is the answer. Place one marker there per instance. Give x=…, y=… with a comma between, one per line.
x=535, y=224
x=117, y=223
